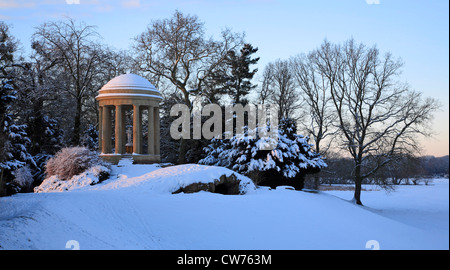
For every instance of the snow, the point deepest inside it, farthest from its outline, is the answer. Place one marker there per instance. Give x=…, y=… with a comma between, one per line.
x=422, y=206
x=129, y=81
x=87, y=178
x=170, y=179
x=135, y=209
x=245, y=154
x=130, y=85
x=128, y=95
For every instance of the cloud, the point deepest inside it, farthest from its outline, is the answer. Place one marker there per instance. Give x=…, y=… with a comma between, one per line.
x=16, y=4
x=131, y=3
x=373, y=2
x=73, y=2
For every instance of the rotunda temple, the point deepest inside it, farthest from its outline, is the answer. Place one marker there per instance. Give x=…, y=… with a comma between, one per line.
x=128, y=103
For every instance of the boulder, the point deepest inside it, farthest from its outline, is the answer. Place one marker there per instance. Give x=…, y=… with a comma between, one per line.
x=223, y=185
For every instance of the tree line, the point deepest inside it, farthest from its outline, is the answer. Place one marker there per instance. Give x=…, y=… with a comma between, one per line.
x=344, y=97
x=405, y=170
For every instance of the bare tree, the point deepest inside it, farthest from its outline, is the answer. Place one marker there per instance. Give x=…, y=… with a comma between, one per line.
x=379, y=116
x=175, y=49
x=279, y=87
x=265, y=91
x=318, y=118
x=314, y=87
x=113, y=63
x=77, y=54
x=37, y=84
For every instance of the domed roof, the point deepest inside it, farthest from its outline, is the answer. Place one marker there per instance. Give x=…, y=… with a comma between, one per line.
x=129, y=81
x=129, y=85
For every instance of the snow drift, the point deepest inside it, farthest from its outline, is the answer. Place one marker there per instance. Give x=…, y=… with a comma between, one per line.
x=136, y=209
x=171, y=179
x=91, y=176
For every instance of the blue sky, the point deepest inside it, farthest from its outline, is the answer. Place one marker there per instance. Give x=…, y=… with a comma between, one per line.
x=415, y=30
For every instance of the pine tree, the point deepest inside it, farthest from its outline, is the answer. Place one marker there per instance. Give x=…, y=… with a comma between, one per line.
x=5, y=100
x=90, y=138
x=235, y=78
x=14, y=142
x=287, y=164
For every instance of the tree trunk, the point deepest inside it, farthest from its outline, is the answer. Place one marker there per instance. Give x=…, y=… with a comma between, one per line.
x=36, y=128
x=357, y=195
x=183, y=150
x=77, y=125
x=183, y=142
x=2, y=191
x=316, y=176
x=316, y=182
x=358, y=182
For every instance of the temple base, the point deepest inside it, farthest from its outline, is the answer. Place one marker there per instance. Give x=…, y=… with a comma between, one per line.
x=137, y=158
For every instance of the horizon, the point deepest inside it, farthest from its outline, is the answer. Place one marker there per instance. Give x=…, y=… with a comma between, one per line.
x=415, y=31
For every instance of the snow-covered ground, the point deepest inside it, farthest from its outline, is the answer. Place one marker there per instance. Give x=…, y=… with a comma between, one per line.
x=136, y=210
x=422, y=206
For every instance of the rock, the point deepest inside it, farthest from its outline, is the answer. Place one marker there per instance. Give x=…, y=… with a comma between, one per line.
x=223, y=185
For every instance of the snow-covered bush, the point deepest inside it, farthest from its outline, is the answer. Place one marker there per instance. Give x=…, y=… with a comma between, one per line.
x=73, y=168
x=72, y=161
x=89, y=177
x=23, y=180
x=285, y=165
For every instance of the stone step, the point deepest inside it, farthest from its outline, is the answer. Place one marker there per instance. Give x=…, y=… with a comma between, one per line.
x=124, y=161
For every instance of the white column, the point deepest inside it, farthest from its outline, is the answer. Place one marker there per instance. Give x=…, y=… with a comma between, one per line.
x=137, y=130
x=100, y=129
x=119, y=130
x=106, y=130
x=157, y=130
x=123, y=131
x=151, y=131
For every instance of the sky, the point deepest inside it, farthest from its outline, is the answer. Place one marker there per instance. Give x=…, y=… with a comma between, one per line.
x=416, y=31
